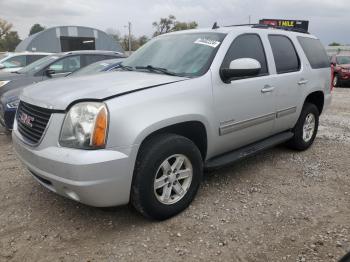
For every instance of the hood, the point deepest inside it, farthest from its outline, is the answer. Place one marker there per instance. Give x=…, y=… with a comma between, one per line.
x=59, y=94
x=12, y=94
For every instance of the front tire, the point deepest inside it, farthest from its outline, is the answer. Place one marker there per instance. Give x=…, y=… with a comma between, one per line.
x=168, y=172
x=336, y=81
x=305, y=130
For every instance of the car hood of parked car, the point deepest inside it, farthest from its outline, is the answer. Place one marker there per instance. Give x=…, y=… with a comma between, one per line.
x=60, y=93
x=347, y=66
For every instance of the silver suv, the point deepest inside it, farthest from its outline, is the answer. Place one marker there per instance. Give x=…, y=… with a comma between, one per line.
x=183, y=102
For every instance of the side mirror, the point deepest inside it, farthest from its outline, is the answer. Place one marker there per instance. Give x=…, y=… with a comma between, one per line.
x=241, y=68
x=49, y=72
x=2, y=66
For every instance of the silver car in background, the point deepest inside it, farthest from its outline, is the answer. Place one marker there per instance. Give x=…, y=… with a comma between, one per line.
x=13, y=62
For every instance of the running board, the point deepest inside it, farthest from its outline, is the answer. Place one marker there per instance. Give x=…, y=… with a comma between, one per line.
x=249, y=150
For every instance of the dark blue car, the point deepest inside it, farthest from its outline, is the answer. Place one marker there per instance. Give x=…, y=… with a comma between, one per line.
x=9, y=101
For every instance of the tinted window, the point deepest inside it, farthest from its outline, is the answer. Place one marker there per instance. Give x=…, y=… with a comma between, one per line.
x=286, y=57
x=89, y=59
x=65, y=65
x=314, y=52
x=246, y=46
x=33, y=58
x=16, y=61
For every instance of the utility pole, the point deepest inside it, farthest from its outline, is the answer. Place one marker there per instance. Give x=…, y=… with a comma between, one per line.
x=129, y=25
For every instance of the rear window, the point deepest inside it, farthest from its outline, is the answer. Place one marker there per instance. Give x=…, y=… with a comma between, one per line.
x=314, y=52
x=286, y=57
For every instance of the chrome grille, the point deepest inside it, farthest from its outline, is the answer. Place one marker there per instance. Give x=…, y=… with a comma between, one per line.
x=32, y=121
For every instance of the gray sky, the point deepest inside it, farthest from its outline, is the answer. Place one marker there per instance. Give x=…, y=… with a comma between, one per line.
x=329, y=19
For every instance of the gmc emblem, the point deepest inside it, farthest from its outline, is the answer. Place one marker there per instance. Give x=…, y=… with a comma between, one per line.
x=26, y=119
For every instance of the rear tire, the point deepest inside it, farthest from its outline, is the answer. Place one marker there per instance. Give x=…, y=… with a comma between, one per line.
x=306, y=128
x=168, y=172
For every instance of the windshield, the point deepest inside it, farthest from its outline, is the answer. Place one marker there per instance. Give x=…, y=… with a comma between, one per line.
x=343, y=60
x=39, y=64
x=187, y=54
x=95, y=67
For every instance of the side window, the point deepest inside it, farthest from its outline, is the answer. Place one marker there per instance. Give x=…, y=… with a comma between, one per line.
x=89, y=59
x=33, y=58
x=286, y=57
x=314, y=52
x=16, y=61
x=247, y=46
x=66, y=65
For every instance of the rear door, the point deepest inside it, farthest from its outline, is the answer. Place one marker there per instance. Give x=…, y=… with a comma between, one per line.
x=289, y=79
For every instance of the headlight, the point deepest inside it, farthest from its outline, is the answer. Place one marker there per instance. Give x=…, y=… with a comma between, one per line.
x=13, y=103
x=85, y=126
x=2, y=83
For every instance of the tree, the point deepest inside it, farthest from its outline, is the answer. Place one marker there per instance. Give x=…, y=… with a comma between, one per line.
x=10, y=41
x=142, y=40
x=5, y=27
x=170, y=24
x=334, y=44
x=36, y=28
x=115, y=34
x=164, y=25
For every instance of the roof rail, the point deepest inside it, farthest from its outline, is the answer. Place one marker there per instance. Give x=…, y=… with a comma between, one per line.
x=263, y=26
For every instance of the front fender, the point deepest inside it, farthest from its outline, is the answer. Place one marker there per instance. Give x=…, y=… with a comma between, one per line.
x=135, y=116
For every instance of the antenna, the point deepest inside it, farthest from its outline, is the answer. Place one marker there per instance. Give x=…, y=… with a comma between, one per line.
x=215, y=26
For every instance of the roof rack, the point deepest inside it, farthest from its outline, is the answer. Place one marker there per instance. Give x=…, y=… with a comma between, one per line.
x=264, y=26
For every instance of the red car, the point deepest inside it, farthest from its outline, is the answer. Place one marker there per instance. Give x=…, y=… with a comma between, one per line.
x=341, y=66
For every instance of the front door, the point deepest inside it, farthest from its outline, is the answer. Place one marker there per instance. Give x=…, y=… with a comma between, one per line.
x=245, y=108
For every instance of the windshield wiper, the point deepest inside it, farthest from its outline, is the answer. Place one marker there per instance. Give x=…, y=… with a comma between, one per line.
x=128, y=68
x=157, y=69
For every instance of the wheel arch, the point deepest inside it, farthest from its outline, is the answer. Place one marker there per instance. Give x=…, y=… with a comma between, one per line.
x=316, y=98
x=194, y=130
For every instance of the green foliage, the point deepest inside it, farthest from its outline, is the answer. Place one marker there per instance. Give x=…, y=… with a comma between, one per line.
x=170, y=24
x=36, y=28
x=136, y=43
x=8, y=39
x=5, y=27
x=334, y=44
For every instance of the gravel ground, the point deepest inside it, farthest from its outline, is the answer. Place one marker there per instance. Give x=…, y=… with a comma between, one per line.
x=277, y=206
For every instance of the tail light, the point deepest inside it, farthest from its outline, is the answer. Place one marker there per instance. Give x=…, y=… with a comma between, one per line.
x=332, y=77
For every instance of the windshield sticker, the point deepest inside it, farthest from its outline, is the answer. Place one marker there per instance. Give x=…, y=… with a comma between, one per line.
x=207, y=42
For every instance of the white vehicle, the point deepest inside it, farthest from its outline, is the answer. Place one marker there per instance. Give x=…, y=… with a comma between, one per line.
x=185, y=101
x=12, y=62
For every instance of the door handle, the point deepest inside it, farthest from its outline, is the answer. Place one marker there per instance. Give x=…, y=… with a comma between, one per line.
x=303, y=82
x=267, y=89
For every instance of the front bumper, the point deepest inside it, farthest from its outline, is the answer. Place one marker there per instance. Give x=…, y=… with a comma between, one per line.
x=344, y=77
x=98, y=178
